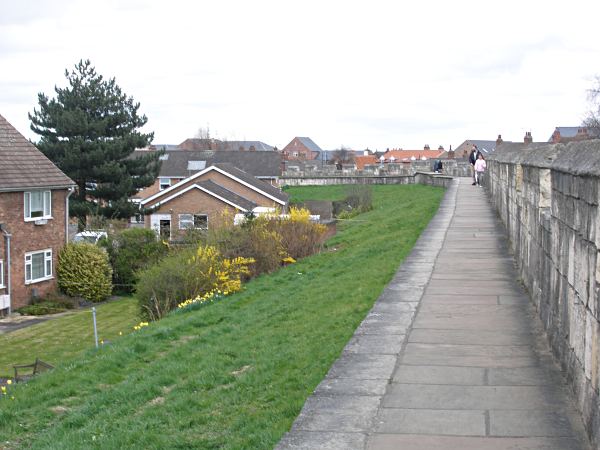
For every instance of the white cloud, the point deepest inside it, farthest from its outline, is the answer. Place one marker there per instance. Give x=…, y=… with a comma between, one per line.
x=378, y=73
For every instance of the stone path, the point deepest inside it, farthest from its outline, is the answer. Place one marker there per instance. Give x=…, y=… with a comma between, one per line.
x=452, y=354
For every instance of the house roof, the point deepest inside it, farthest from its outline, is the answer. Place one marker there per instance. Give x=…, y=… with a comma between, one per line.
x=260, y=185
x=483, y=145
x=566, y=132
x=309, y=144
x=22, y=166
x=231, y=197
x=362, y=161
x=406, y=155
x=212, y=189
x=175, y=163
x=259, y=146
x=218, y=144
x=233, y=172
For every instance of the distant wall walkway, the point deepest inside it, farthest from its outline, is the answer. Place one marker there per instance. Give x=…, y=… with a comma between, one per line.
x=547, y=195
x=427, y=178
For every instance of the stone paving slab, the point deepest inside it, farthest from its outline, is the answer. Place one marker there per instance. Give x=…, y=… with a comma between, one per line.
x=524, y=423
x=482, y=337
x=431, y=421
x=468, y=376
x=307, y=440
x=421, y=442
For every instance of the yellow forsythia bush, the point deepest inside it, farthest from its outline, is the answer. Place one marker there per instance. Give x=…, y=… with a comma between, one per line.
x=299, y=236
x=84, y=271
x=188, y=274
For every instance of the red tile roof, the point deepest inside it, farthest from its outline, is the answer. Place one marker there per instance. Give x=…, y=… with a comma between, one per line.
x=362, y=161
x=22, y=166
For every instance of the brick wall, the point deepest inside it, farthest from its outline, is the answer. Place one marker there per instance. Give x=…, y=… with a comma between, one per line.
x=194, y=202
x=548, y=197
x=28, y=237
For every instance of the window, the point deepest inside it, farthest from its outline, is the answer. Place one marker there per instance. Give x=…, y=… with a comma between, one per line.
x=1, y=273
x=164, y=183
x=195, y=221
x=38, y=266
x=38, y=205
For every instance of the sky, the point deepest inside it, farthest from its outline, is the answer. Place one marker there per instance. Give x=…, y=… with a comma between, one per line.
x=360, y=74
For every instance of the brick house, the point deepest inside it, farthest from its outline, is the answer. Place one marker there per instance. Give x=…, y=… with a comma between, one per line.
x=301, y=148
x=34, y=205
x=568, y=134
x=203, y=199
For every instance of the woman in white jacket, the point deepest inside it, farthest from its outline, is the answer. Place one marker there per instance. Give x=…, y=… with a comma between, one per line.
x=480, y=167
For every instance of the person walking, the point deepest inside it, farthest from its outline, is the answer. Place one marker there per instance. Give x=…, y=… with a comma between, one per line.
x=473, y=159
x=480, y=166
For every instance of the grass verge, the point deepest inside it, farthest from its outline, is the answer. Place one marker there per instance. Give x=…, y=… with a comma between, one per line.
x=234, y=374
x=61, y=338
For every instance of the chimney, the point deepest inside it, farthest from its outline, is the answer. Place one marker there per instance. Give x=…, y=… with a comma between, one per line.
x=426, y=147
x=450, y=153
x=441, y=148
x=556, y=136
x=499, y=140
x=528, y=139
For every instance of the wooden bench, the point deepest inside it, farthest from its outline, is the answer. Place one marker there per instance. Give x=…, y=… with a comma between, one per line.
x=30, y=369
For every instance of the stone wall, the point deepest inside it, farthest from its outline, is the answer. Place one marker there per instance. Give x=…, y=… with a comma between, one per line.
x=451, y=167
x=548, y=196
x=430, y=179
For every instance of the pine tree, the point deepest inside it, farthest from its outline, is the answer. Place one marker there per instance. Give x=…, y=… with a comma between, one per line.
x=90, y=131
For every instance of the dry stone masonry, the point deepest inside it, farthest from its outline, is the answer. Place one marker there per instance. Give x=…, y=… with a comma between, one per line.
x=548, y=197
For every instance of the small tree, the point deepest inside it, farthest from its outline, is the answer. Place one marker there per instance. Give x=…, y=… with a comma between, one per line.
x=90, y=131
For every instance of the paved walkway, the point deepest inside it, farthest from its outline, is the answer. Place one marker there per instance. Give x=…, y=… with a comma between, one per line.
x=451, y=356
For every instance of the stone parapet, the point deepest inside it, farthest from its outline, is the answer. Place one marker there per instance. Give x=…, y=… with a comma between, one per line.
x=451, y=167
x=428, y=178
x=547, y=195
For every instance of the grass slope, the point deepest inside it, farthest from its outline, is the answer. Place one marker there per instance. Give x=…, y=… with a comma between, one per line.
x=234, y=374
x=64, y=337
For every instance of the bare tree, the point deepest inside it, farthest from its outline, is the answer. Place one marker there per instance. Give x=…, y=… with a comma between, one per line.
x=342, y=155
x=592, y=121
x=203, y=133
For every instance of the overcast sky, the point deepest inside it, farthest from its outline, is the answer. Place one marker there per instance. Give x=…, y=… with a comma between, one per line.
x=374, y=74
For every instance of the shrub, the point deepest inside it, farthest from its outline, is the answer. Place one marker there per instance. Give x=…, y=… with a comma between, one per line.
x=187, y=274
x=42, y=308
x=359, y=199
x=130, y=251
x=299, y=236
x=253, y=240
x=84, y=271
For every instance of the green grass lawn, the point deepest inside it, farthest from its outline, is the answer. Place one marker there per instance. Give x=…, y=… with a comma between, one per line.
x=59, y=339
x=233, y=374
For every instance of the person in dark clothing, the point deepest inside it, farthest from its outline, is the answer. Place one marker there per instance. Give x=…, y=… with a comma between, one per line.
x=473, y=156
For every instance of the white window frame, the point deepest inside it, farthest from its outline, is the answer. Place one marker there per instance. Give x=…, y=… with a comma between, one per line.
x=187, y=221
x=46, y=205
x=164, y=181
x=2, y=274
x=47, y=255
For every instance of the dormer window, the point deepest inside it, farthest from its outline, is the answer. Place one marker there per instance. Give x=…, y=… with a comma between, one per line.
x=164, y=183
x=38, y=205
